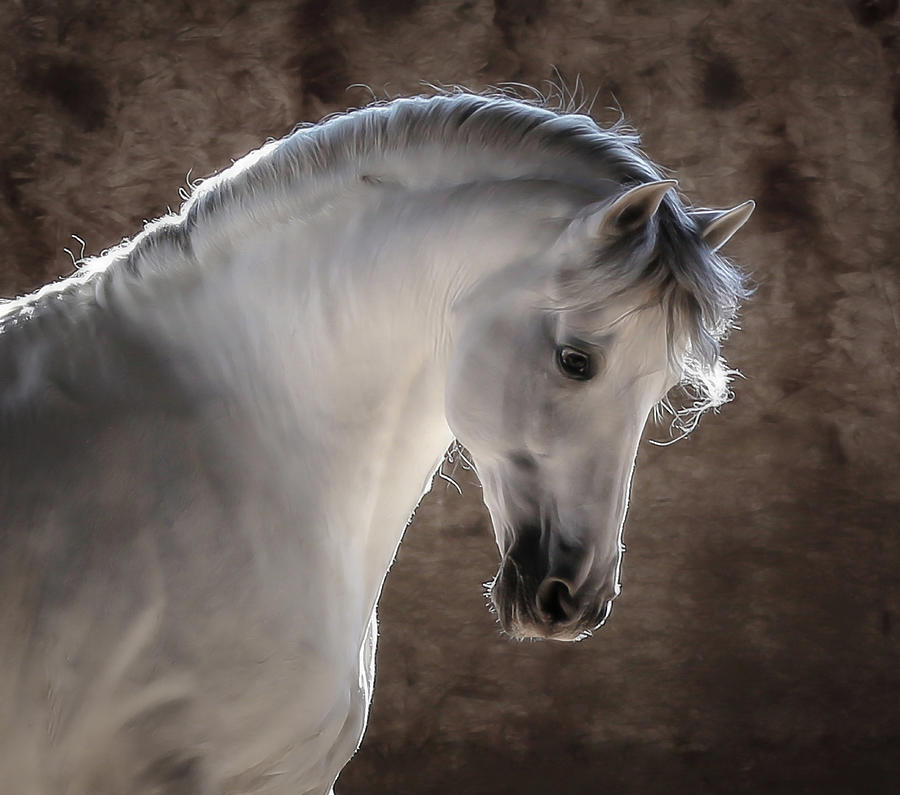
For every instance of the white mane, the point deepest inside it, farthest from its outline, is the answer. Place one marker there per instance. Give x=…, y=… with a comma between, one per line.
x=416, y=143
x=421, y=143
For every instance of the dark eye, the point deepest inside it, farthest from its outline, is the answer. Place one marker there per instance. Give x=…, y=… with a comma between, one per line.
x=574, y=363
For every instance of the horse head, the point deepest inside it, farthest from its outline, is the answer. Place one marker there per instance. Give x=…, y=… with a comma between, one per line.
x=550, y=386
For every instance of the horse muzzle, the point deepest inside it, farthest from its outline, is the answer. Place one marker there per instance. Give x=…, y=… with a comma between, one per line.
x=551, y=605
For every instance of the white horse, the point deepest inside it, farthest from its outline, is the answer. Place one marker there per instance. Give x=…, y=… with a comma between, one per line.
x=213, y=436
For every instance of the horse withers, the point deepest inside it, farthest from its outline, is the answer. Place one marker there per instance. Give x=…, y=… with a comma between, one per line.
x=213, y=436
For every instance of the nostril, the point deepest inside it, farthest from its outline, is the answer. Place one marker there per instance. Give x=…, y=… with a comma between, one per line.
x=555, y=600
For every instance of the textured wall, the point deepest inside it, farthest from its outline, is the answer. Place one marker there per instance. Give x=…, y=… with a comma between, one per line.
x=755, y=645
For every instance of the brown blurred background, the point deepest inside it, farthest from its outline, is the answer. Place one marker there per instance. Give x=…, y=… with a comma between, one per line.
x=755, y=645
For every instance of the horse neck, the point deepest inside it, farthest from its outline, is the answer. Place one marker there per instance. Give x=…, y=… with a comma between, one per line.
x=343, y=323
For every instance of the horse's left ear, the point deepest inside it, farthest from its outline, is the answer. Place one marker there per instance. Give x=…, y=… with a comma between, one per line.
x=718, y=226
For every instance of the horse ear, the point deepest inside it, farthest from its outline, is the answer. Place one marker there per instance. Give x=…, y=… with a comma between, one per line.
x=635, y=207
x=626, y=213
x=718, y=226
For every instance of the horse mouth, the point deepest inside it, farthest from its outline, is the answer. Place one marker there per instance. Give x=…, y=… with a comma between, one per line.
x=520, y=625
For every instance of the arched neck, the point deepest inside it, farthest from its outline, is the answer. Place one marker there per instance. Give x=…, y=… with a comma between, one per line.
x=334, y=334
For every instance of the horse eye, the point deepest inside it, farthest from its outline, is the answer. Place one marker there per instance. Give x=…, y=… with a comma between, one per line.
x=574, y=363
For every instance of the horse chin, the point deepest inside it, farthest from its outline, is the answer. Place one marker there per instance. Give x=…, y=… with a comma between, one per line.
x=519, y=623
x=542, y=632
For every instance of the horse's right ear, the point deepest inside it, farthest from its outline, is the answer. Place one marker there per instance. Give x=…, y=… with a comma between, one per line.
x=717, y=226
x=627, y=212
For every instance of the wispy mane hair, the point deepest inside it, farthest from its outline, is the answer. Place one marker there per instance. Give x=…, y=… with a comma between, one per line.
x=449, y=139
x=699, y=290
